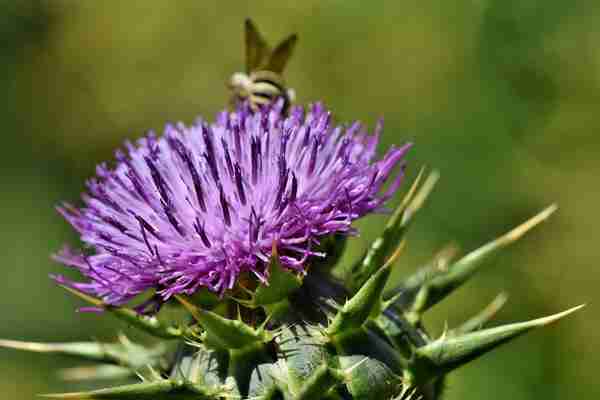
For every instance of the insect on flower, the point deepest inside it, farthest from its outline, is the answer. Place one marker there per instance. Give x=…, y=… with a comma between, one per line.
x=263, y=81
x=241, y=221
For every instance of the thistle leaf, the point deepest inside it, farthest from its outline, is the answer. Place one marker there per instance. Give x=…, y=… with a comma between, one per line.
x=142, y=391
x=87, y=350
x=394, y=231
x=281, y=283
x=320, y=382
x=95, y=372
x=264, y=382
x=368, y=378
x=405, y=336
x=202, y=366
x=366, y=302
x=123, y=353
x=443, y=282
x=304, y=351
x=450, y=352
x=146, y=323
x=479, y=320
x=224, y=333
x=404, y=296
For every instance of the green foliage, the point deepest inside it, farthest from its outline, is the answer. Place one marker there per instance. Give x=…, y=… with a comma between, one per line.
x=501, y=95
x=368, y=348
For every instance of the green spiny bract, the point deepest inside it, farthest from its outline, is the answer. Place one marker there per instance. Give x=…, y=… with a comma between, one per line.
x=306, y=337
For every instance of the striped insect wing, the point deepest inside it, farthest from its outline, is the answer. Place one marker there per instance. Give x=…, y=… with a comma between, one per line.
x=281, y=54
x=257, y=49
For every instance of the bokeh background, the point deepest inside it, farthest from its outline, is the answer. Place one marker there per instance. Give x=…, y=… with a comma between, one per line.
x=502, y=96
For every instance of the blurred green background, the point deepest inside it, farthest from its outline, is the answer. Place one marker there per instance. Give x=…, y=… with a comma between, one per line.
x=500, y=95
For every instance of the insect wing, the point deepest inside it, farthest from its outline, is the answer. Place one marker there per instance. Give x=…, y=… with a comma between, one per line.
x=282, y=54
x=257, y=49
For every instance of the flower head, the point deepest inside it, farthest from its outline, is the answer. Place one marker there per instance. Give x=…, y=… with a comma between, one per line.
x=204, y=203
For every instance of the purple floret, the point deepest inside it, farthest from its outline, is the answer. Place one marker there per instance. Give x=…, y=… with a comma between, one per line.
x=204, y=203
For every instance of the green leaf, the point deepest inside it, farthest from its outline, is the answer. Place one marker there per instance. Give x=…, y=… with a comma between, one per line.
x=160, y=390
x=264, y=382
x=482, y=318
x=369, y=343
x=368, y=378
x=202, y=365
x=393, y=233
x=281, y=283
x=303, y=348
x=124, y=352
x=450, y=352
x=86, y=350
x=404, y=295
x=149, y=324
x=320, y=382
x=224, y=333
x=365, y=303
x=445, y=281
x=95, y=372
x=205, y=298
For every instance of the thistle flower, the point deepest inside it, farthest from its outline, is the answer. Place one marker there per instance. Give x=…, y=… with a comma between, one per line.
x=204, y=204
x=261, y=193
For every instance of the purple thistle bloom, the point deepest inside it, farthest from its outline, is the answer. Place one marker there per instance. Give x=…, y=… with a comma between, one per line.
x=202, y=204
